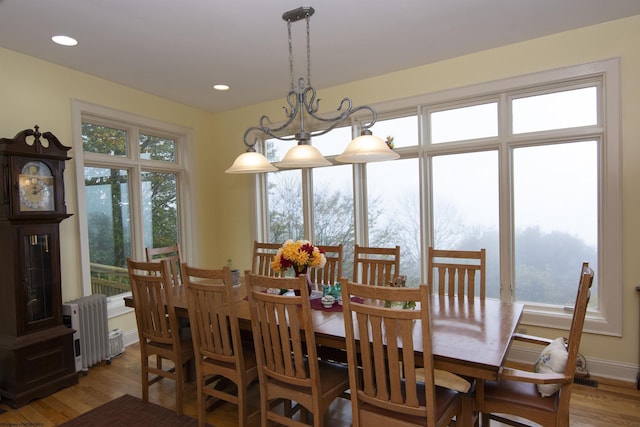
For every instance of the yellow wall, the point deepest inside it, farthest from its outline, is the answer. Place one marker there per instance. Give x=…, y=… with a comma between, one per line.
x=37, y=92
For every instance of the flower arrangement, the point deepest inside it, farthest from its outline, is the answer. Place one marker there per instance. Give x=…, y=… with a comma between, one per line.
x=389, y=142
x=299, y=255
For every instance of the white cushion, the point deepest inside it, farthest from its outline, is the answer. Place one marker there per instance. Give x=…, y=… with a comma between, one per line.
x=553, y=359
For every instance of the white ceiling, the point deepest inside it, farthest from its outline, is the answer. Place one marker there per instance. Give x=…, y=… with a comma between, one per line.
x=178, y=49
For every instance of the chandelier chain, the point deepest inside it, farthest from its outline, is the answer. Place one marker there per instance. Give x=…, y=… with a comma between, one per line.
x=308, y=18
x=290, y=54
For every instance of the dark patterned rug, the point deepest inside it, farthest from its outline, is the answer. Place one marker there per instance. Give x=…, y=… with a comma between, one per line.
x=130, y=411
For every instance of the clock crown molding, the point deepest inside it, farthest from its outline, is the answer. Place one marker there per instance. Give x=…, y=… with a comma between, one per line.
x=29, y=142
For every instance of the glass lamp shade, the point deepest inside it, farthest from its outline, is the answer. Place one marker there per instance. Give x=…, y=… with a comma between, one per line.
x=251, y=162
x=365, y=149
x=303, y=156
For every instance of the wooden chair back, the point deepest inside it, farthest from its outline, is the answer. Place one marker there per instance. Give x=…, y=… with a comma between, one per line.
x=375, y=266
x=332, y=271
x=285, y=346
x=378, y=339
x=457, y=273
x=173, y=254
x=218, y=346
x=516, y=391
x=158, y=327
x=262, y=256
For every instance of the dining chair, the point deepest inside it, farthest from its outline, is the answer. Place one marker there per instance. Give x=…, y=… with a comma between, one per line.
x=378, y=338
x=262, y=256
x=171, y=253
x=225, y=365
x=158, y=326
x=541, y=396
x=375, y=266
x=332, y=270
x=457, y=273
x=288, y=367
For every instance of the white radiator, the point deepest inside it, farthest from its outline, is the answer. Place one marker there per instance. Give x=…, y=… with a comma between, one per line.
x=93, y=329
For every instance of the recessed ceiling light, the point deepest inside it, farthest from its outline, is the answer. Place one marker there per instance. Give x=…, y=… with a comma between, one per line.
x=221, y=87
x=64, y=40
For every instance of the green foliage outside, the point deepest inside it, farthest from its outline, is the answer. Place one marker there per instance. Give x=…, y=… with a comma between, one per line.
x=108, y=200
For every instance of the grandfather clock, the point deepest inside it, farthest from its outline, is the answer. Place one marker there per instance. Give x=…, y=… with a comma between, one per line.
x=36, y=348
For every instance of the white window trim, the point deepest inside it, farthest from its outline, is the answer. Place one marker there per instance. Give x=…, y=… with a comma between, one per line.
x=188, y=217
x=608, y=320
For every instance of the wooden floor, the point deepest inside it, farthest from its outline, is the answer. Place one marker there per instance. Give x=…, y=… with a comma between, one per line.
x=607, y=405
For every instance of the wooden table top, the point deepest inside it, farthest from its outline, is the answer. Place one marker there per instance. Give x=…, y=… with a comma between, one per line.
x=470, y=338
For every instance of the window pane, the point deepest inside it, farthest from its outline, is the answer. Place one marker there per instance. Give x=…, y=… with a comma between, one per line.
x=333, y=211
x=109, y=223
x=334, y=142
x=459, y=124
x=465, y=208
x=276, y=149
x=104, y=140
x=156, y=148
x=159, y=209
x=567, y=109
x=285, y=205
x=403, y=130
x=556, y=220
x=394, y=211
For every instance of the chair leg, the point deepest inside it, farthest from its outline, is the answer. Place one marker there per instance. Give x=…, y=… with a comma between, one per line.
x=145, y=379
x=486, y=421
x=201, y=402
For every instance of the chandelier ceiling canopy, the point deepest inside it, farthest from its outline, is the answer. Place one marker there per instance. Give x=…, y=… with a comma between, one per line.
x=302, y=104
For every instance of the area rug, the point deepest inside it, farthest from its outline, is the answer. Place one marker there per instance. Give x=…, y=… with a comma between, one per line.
x=130, y=411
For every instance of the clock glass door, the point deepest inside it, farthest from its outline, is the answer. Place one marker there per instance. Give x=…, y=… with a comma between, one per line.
x=39, y=255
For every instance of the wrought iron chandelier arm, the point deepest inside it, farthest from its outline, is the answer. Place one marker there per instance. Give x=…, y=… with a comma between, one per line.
x=338, y=119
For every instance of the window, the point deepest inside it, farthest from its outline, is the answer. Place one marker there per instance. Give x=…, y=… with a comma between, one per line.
x=527, y=168
x=131, y=173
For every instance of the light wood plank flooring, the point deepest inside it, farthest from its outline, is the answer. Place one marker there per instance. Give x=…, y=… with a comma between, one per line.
x=607, y=405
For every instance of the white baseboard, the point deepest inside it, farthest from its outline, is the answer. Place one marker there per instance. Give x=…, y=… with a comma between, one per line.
x=618, y=371
x=130, y=337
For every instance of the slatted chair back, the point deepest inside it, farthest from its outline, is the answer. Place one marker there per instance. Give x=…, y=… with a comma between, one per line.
x=263, y=254
x=332, y=271
x=375, y=266
x=457, y=273
x=285, y=346
x=383, y=390
x=173, y=254
x=519, y=393
x=158, y=327
x=218, y=345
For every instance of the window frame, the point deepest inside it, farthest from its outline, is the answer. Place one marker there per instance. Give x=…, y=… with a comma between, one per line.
x=606, y=75
x=135, y=165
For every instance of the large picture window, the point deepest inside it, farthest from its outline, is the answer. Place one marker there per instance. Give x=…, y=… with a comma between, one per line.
x=131, y=173
x=527, y=168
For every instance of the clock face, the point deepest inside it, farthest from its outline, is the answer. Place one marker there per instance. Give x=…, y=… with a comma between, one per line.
x=36, y=187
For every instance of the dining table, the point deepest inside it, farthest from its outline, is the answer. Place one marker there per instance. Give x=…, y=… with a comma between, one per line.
x=470, y=337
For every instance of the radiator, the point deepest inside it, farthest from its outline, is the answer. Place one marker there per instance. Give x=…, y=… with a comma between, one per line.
x=93, y=329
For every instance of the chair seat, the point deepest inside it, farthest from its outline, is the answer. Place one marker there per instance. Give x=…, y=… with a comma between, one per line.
x=333, y=376
x=373, y=415
x=519, y=393
x=186, y=345
x=250, y=362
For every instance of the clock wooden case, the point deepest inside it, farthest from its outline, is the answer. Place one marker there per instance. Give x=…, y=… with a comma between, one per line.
x=36, y=348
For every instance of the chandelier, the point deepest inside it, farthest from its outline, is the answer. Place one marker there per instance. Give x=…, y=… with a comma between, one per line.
x=302, y=104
